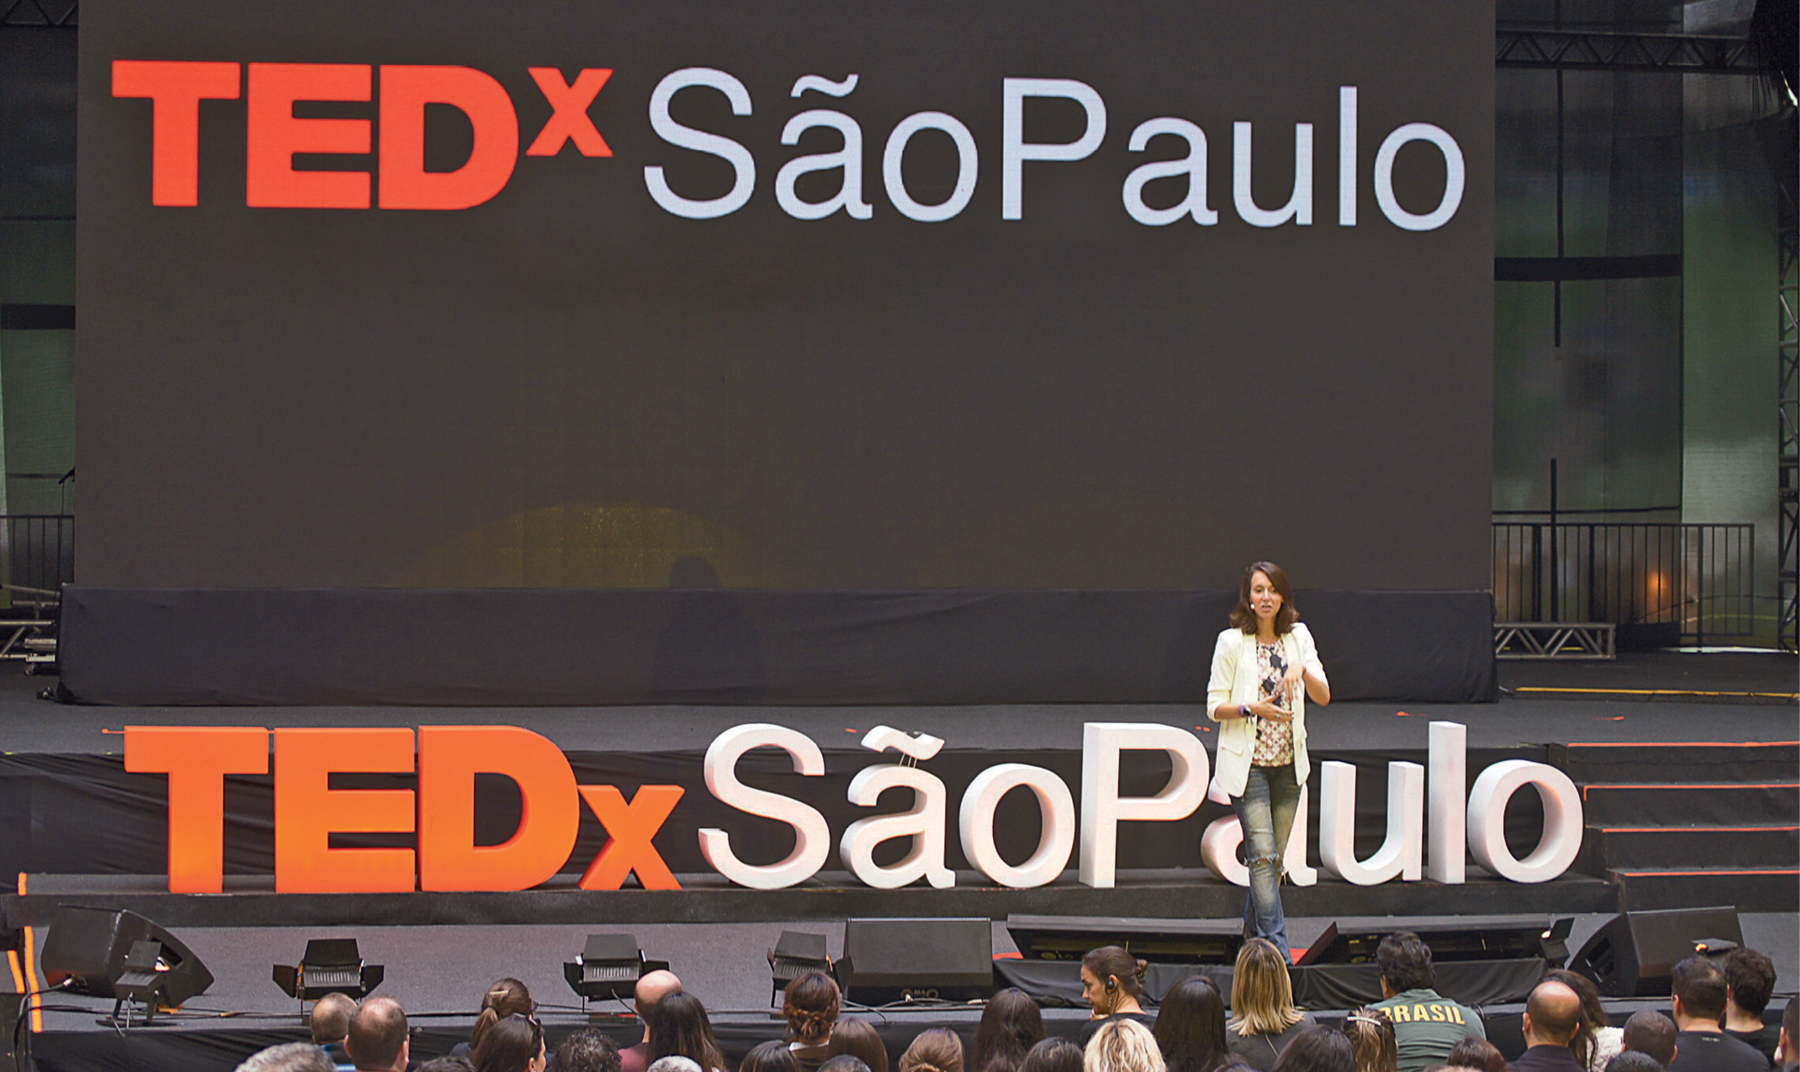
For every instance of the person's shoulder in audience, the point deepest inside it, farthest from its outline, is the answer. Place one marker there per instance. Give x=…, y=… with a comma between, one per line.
x=1715, y=1051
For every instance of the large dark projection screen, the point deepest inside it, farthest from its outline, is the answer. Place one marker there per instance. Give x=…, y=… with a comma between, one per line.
x=775, y=351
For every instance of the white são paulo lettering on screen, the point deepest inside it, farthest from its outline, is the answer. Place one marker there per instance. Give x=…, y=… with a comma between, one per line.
x=1016, y=152
x=1459, y=824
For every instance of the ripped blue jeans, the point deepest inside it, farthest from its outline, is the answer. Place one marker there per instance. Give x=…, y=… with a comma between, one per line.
x=1266, y=812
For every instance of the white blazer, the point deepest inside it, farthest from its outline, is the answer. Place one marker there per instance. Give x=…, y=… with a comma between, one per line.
x=1237, y=737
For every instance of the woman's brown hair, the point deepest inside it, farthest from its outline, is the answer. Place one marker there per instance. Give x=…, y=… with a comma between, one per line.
x=810, y=1006
x=1110, y=960
x=508, y=997
x=1244, y=617
x=935, y=1050
x=1371, y=1035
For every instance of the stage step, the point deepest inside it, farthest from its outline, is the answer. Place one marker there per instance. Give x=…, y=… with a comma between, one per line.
x=1750, y=889
x=1629, y=847
x=1691, y=803
x=1756, y=761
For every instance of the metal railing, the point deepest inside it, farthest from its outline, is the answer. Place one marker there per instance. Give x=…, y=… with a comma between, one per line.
x=38, y=551
x=1697, y=579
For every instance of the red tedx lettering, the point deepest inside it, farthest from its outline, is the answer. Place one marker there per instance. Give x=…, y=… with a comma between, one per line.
x=274, y=136
x=405, y=91
x=176, y=90
x=569, y=121
x=631, y=826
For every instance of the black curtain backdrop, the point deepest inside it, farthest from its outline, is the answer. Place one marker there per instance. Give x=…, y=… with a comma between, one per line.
x=716, y=646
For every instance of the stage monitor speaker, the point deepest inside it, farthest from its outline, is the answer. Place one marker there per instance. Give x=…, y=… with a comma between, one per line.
x=86, y=949
x=1451, y=938
x=1634, y=953
x=888, y=960
x=1154, y=941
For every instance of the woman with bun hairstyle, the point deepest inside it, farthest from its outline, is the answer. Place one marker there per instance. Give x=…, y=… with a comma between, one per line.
x=1111, y=980
x=1264, y=1019
x=810, y=1005
x=1264, y=669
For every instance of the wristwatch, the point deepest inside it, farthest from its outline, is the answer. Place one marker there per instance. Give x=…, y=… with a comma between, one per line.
x=1243, y=710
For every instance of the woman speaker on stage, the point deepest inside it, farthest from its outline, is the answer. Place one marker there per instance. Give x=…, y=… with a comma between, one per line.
x=1264, y=668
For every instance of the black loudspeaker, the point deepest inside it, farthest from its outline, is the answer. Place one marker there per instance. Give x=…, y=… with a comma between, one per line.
x=887, y=960
x=1634, y=953
x=86, y=950
x=1155, y=941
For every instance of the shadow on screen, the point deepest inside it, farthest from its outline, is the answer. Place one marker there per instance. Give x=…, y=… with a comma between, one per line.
x=710, y=651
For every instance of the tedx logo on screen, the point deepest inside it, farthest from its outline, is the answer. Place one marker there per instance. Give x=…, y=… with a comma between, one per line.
x=274, y=134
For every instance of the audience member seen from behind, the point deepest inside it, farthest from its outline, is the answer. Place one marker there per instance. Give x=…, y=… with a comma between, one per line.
x=1122, y=1046
x=810, y=1005
x=1010, y=1026
x=1477, y=1053
x=1426, y=1024
x=1596, y=1040
x=507, y=997
x=330, y=1022
x=651, y=988
x=1316, y=1049
x=1650, y=1032
x=1371, y=1035
x=1698, y=998
x=844, y=1062
x=936, y=1050
x=288, y=1057
x=1190, y=1026
x=770, y=1056
x=1633, y=1061
x=447, y=1063
x=1552, y=1016
x=1787, y=1051
x=1264, y=1019
x=1749, y=982
x=378, y=1040
x=1111, y=980
x=1053, y=1054
x=680, y=1028
x=586, y=1050
x=512, y=1044
x=858, y=1038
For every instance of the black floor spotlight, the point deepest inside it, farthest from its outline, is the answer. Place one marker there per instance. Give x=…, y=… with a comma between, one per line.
x=609, y=966
x=113, y=953
x=329, y=966
x=793, y=956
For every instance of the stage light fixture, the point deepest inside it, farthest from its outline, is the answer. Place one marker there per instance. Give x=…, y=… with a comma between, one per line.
x=1555, y=941
x=329, y=966
x=608, y=966
x=795, y=954
x=114, y=953
x=139, y=981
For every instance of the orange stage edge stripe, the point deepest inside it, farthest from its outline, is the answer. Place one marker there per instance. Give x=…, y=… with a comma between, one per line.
x=1678, y=874
x=12, y=961
x=1708, y=829
x=1684, y=744
x=31, y=987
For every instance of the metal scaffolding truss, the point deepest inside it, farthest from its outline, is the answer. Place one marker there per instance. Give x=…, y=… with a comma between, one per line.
x=56, y=14
x=1571, y=50
x=1787, y=351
